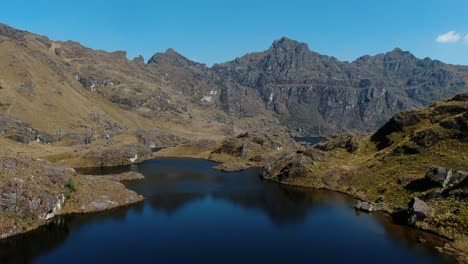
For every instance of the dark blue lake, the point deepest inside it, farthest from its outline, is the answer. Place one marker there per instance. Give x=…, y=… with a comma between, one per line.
x=194, y=214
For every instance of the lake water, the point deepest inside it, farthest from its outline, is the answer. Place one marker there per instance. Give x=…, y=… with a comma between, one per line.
x=194, y=214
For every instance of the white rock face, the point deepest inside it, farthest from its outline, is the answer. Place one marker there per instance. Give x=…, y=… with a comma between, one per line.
x=134, y=158
x=448, y=178
x=57, y=208
x=207, y=98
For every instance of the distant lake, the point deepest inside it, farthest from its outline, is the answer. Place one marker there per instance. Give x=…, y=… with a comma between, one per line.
x=194, y=214
x=309, y=140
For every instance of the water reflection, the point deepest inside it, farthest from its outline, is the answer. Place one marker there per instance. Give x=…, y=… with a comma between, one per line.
x=192, y=209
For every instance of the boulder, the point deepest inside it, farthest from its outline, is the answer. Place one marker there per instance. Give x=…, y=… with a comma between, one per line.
x=444, y=177
x=380, y=200
x=459, y=179
x=417, y=210
x=439, y=175
x=366, y=206
x=459, y=187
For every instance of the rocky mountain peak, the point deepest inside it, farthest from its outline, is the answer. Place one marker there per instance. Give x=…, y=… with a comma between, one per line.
x=171, y=57
x=139, y=60
x=398, y=53
x=288, y=44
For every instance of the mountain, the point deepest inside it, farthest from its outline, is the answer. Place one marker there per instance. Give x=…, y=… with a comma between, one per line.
x=66, y=84
x=312, y=93
x=55, y=85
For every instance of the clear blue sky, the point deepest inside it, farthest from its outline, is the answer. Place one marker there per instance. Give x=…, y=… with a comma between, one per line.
x=212, y=31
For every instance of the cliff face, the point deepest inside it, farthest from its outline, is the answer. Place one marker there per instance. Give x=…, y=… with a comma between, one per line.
x=313, y=93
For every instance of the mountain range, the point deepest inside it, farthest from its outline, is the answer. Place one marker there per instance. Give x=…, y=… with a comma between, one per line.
x=62, y=85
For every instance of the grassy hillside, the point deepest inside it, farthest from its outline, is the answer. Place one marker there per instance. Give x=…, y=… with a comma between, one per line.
x=56, y=85
x=391, y=165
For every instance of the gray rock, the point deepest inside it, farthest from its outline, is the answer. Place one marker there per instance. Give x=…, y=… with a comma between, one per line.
x=417, y=210
x=459, y=187
x=246, y=149
x=12, y=196
x=380, y=200
x=439, y=175
x=366, y=206
x=459, y=180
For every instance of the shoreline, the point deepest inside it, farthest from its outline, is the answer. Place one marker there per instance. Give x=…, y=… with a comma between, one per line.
x=448, y=249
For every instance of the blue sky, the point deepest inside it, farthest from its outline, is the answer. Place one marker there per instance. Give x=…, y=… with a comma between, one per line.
x=212, y=31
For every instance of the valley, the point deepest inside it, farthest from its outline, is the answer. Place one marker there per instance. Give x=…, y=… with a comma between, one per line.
x=389, y=130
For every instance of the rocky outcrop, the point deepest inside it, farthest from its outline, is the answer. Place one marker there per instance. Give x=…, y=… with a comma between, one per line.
x=31, y=190
x=98, y=193
x=12, y=33
x=289, y=167
x=20, y=131
x=158, y=139
x=117, y=156
x=251, y=145
x=232, y=166
x=347, y=142
x=396, y=124
x=75, y=138
x=447, y=120
x=127, y=176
